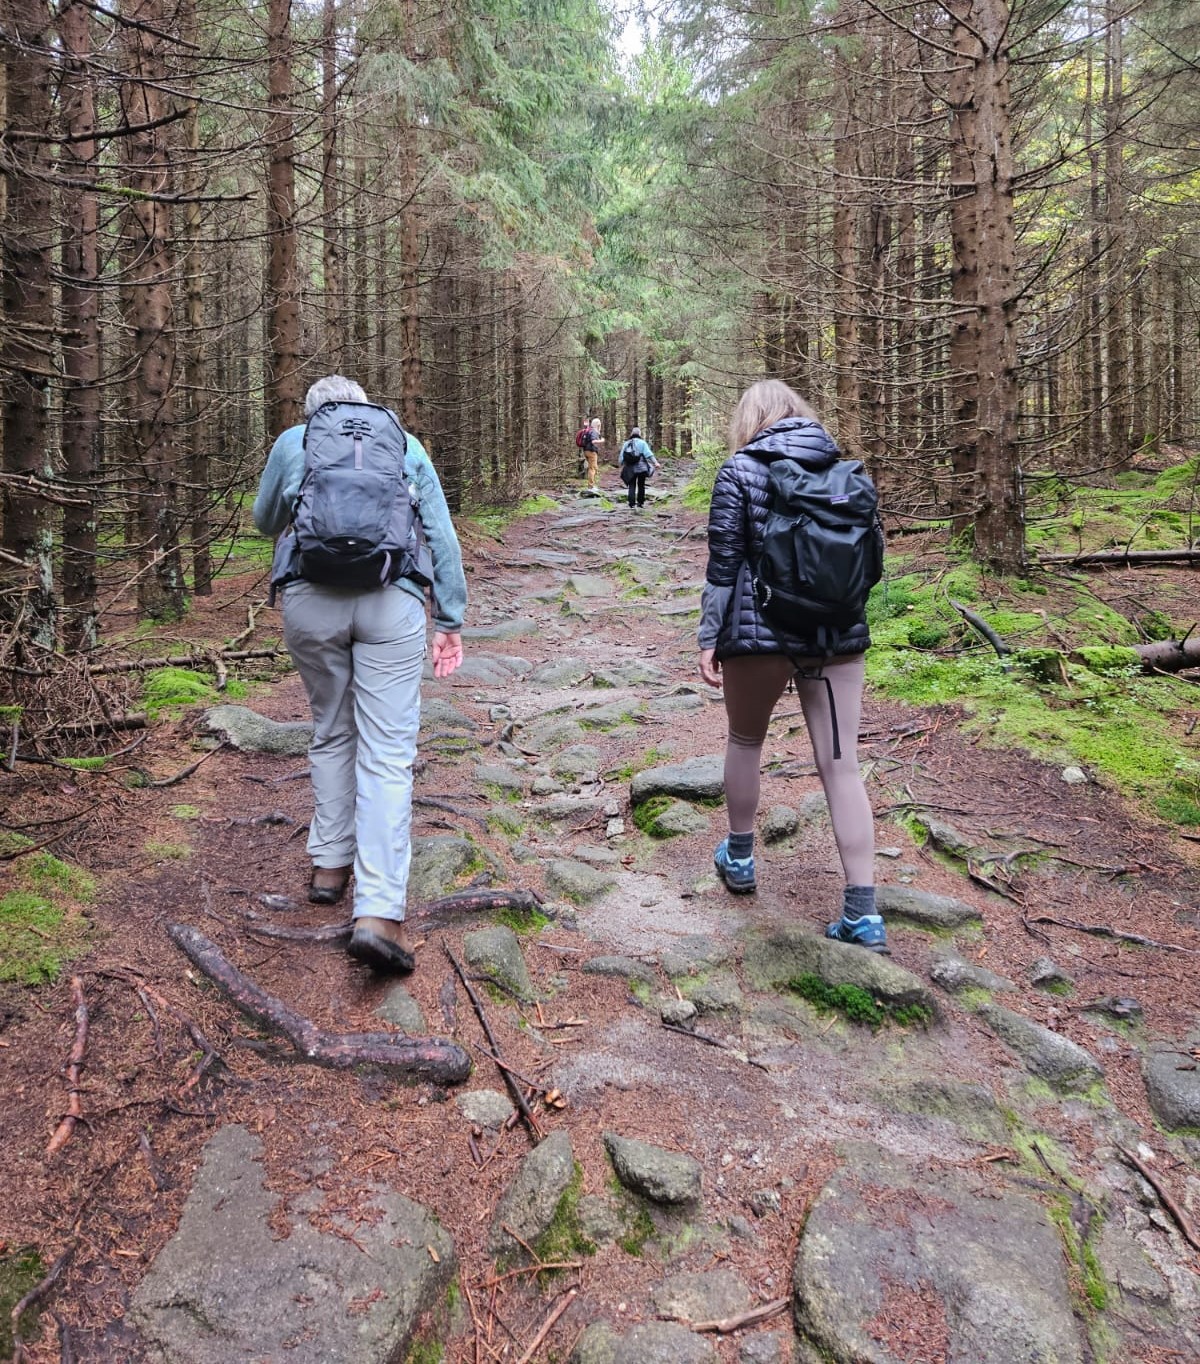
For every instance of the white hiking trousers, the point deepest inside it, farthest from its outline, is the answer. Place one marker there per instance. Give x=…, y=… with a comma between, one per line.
x=360, y=655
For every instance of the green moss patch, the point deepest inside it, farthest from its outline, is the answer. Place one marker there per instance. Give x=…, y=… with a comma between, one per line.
x=165, y=688
x=645, y=815
x=41, y=923
x=19, y=1272
x=856, y=1004
x=639, y=1230
x=564, y=1239
x=521, y=921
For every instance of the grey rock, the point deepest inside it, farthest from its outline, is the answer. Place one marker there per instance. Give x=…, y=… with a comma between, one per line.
x=679, y=819
x=486, y=1107
x=780, y=822
x=250, y=732
x=956, y=976
x=765, y=1347
x=628, y=968
x=946, y=837
x=402, y=1011
x=646, y=571
x=438, y=714
x=608, y=715
x=693, y=954
x=675, y=705
x=1174, y=1092
x=678, y=1012
x=577, y=881
x=487, y=670
x=710, y=1295
x=742, y=1228
x=494, y=952
x=563, y=672
x=991, y=1256
x=764, y=1202
x=631, y=674
x=227, y=1288
x=499, y=713
x=597, y=857
x=1124, y=1263
x=923, y=908
x=715, y=994
x=551, y=733
x=590, y=585
x=529, y=1203
x=1048, y=1055
x=773, y=959
x=601, y=1219
x=667, y=1177
x=651, y=1342
x=546, y=786
x=511, y=627
x=970, y=1107
x=437, y=863
x=568, y=806
x=1118, y=1008
x=1046, y=974
x=1074, y=776
x=614, y=828
x=695, y=779
x=812, y=810
x=575, y=761
x=500, y=776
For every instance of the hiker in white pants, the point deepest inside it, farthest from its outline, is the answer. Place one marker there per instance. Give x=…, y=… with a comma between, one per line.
x=360, y=656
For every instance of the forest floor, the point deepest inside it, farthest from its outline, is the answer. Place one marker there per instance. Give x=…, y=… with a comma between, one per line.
x=768, y=1115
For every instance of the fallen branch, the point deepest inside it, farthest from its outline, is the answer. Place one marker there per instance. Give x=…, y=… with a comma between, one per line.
x=977, y=622
x=510, y=1084
x=715, y=1042
x=1169, y=655
x=1168, y=1202
x=134, y=720
x=196, y=661
x=560, y=1307
x=37, y=1293
x=62, y=1133
x=726, y=1325
x=251, y=612
x=427, y=1057
x=1126, y=558
x=448, y=907
x=1103, y=931
x=162, y=782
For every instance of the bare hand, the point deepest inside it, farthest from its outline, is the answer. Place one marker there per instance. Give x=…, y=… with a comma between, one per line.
x=447, y=652
x=710, y=668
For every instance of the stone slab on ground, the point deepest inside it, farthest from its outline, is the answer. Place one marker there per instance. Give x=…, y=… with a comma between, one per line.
x=709, y=1295
x=1173, y=1086
x=487, y=670
x=667, y=1177
x=402, y=1011
x=495, y=953
x=437, y=862
x=529, y=1203
x=969, y=1107
x=923, y=908
x=696, y=779
x=957, y=977
x=679, y=819
x=1048, y=1055
x=880, y=1233
x=576, y=880
x=249, y=732
x=514, y=627
x=652, y=1342
x=227, y=1290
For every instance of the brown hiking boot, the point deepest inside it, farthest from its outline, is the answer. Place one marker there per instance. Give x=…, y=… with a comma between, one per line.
x=383, y=944
x=327, y=885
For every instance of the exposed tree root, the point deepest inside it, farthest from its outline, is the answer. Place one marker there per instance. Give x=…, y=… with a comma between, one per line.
x=62, y=1133
x=423, y=1057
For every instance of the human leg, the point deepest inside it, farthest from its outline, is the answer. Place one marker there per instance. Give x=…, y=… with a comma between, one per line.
x=631, y=489
x=591, y=467
x=316, y=629
x=389, y=650
x=849, y=806
x=752, y=686
x=641, y=490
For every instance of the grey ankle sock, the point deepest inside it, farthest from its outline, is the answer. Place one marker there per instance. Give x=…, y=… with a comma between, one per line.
x=857, y=901
x=741, y=846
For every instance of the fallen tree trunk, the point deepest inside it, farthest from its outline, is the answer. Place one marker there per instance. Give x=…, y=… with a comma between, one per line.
x=201, y=662
x=1169, y=655
x=1124, y=558
x=427, y=1058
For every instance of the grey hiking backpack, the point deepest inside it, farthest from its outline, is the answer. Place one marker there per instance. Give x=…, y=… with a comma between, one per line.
x=356, y=521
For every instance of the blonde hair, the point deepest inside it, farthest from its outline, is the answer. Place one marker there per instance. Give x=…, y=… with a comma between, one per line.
x=763, y=404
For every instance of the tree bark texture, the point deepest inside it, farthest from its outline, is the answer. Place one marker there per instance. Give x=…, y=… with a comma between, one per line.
x=283, y=378
x=331, y=237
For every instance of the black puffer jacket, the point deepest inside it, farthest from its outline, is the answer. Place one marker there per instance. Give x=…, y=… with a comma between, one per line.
x=735, y=526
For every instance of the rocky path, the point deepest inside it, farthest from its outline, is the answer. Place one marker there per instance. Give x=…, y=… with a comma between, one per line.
x=755, y=1145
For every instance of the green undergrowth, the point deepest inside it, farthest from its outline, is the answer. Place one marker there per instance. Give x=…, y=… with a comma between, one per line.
x=167, y=688
x=240, y=553
x=857, y=1005
x=709, y=457
x=645, y=815
x=521, y=921
x=42, y=927
x=1088, y=705
x=494, y=521
x=20, y=1270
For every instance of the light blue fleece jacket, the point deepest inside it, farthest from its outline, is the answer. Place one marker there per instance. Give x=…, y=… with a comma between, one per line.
x=280, y=485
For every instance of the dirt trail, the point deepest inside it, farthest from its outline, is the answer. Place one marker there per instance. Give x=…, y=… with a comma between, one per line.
x=581, y=672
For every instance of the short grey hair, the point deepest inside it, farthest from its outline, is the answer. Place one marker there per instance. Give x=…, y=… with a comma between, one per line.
x=333, y=388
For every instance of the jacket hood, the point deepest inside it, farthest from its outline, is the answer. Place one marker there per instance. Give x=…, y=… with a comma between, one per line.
x=799, y=438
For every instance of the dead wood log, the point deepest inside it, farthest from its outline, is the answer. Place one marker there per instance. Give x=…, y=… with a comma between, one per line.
x=1123, y=558
x=136, y=719
x=424, y=916
x=976, y=622
x=427, y=1058
x=1169, y=655
x=196, y=661
x=62, y=1133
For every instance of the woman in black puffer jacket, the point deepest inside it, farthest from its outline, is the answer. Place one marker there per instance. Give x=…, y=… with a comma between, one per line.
x=755, y=663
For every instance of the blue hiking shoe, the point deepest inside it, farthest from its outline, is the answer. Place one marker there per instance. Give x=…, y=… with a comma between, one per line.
x=867, y=932
x=736, y=872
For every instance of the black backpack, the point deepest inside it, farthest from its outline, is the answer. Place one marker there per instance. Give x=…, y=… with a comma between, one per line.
x=628, y=454
x=822, y=549
x=356, y=522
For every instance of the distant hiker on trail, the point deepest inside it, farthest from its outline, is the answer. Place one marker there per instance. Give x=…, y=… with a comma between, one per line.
x=637, y=464
x=591, y=442
x=353, y=567
x=763, y=626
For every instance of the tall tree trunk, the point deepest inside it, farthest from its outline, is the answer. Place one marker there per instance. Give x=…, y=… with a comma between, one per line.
x=151, y=317
x=28, y=353
x=283, y=380
x=1117, y=225
x=519, y=423
x=845, y=249
x=80, y=305
x=331, y=239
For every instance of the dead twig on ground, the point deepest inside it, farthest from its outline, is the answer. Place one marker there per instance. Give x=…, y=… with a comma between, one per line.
x=1103, y=931
x=1168, y=1202
x=429, y=1057
x=510, y=1083
x=38, y=1292
x=712, y=1041
x=727, y=1325
x=161, y=783
x=559, y=1308
x=62, y=1133
x=432, y=803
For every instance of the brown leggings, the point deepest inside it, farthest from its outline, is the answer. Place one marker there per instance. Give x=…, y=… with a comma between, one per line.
x=752, y=685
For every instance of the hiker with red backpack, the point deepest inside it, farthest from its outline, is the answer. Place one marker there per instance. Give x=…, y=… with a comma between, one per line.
x=591, y=442
x=794, y=547
x=364, y=530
